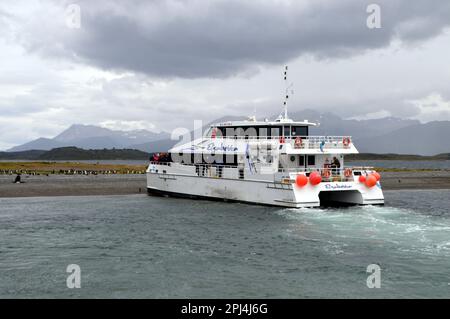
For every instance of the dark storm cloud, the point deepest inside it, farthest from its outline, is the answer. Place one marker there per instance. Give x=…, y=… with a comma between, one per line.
x=192, y=39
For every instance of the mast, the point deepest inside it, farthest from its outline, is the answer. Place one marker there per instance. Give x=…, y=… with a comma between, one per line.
x=288, y=86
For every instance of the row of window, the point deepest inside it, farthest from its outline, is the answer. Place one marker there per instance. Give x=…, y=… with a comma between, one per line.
x=262, y=131
x=310, y=159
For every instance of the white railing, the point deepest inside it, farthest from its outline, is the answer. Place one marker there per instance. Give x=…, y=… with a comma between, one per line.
x=298, y=142
x=321, y=142
x=330, y=174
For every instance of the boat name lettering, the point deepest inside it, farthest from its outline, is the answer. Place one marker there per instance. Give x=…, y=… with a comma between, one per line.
x=337, y=186
x=222, y=147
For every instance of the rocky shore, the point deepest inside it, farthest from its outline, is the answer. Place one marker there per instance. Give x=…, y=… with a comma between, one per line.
x=82, y=185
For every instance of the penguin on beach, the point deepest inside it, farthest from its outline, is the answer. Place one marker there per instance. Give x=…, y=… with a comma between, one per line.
x=18, y=179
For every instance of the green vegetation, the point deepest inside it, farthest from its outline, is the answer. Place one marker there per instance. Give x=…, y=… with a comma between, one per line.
x=74, y=153
x=68, y=168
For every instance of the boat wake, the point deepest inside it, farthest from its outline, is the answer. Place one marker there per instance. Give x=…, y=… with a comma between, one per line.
x=403, y=230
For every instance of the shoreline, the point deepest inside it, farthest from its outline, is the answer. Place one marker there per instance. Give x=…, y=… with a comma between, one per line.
x=132, y=184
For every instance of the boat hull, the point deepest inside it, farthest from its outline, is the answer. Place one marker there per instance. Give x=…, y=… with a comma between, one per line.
x=262, y=192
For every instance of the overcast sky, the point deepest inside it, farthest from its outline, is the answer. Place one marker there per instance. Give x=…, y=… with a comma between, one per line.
x=161, y=64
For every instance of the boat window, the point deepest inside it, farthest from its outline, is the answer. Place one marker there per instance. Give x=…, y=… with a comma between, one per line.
x=251, y=132
x=299, y=131
x=220, y=132
x=287, y=131
x=239, y=131
x=275, y=131
x=263, y=132
x=311, y=160
x=229, y=132
x=301, y=160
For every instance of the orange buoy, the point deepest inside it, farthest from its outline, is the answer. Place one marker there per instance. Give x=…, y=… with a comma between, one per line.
x=362, y=178
x=313, y=174
x=346, y=141
x=377, y=175
x=326, y=173
x=371, y=181
x=301, y=180
x=315, y=179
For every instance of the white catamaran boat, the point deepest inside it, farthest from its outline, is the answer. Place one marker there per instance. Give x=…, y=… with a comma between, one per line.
x=265, y=162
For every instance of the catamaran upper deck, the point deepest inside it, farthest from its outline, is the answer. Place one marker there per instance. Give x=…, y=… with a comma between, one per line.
x=284, y=135
x=281, y=127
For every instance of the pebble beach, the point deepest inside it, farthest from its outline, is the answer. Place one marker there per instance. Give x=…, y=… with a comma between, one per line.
x=125, y=184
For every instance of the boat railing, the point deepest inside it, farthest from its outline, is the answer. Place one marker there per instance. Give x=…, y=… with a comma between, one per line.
x=328, y=174
x=161, y=163
x=332, y=169
x=360, y=168
x=298, y=142
x=193, y=164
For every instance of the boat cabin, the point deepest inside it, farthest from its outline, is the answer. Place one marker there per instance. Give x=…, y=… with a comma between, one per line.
x=260, y=130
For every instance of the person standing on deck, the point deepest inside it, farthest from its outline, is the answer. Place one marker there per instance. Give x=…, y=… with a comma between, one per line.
x=336, y=165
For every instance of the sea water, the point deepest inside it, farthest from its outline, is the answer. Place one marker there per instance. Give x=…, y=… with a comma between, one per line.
x=149, y=247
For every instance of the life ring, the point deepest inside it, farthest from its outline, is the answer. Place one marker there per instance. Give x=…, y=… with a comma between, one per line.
x=326, y=173
x=346, y=141
x=281, y=140
x=348, y=172
x=298, y=142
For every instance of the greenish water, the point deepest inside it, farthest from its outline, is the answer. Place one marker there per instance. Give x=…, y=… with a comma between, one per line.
x=149, y=247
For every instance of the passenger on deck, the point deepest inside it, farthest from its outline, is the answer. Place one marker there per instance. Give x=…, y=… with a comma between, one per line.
x=164, y=158
x=321, y=146
x=336, y=165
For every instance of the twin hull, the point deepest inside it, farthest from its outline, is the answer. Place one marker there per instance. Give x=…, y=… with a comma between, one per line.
x=263, y=192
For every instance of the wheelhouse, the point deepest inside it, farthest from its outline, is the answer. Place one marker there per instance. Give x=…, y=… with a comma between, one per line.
x=261, y=130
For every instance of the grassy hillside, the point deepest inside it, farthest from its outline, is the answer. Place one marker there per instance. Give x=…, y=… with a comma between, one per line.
x=74, y=153
x=31, y=155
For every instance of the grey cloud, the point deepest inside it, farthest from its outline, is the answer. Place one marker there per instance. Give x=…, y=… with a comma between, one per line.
x=192, y=39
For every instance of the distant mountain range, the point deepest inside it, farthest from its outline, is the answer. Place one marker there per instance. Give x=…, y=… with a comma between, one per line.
x=386, y=135
x=92, y=137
